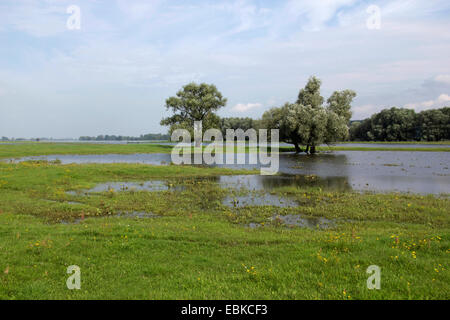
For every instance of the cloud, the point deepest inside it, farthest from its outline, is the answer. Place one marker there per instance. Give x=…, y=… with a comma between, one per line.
x=137, y=53
x=443, y=78
x=364, y=111
x=38, y=19
x=241, y=107
x=440, y=101
x=138, y=10
x=316, y=13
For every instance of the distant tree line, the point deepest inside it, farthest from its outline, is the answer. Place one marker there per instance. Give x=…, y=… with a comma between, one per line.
x=238, y=123
x=142, y=137
x=398, y=124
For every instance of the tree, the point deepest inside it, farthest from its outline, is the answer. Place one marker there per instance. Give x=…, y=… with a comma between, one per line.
x=434, y=125
x=310, y=95
x=308, y=122
x=277, y=118
x=394, y=124
x=340, y=103
x=194, y=102
x=236, y=123
x=399, y=124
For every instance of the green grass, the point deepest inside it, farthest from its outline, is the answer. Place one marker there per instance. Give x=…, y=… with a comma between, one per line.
x=200, y=249
x=44, y=148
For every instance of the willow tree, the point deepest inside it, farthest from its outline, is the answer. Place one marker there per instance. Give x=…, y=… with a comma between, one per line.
x=194, y=102
x=276, y=118
x=309, y=122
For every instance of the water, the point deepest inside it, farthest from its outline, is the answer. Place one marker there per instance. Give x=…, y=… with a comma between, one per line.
x=144, y=158
x=258, y=182
x=380, y=171
x=392, y=145
x=297, y=220
x=154, y=185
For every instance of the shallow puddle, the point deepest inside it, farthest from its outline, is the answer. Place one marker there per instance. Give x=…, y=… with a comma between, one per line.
x=150, y=186
x=300, y=221
x=154, y=185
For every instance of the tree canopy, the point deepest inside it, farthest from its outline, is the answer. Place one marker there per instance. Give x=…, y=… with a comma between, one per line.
x=308, y=122
x=399, y=124
x=194, y=102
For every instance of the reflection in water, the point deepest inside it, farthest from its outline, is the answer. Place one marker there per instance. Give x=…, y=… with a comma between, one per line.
x=257, y=182
x=303, y=221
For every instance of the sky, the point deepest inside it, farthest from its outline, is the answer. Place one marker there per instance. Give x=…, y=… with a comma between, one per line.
x=110, y=68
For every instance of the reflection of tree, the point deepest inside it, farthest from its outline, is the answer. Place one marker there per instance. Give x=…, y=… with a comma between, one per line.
x=329, y=183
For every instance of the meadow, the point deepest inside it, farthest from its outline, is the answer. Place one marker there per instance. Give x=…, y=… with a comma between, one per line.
x=193, y=246
x=29, y=149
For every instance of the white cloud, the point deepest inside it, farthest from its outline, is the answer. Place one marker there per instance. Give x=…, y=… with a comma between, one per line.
x=440, y=101
x=137, y=10
x=137, y=53
x=37, y=19
x=442, y=78
x=443, y=98
x=317, y=13
x=241, y=107
x=364, y=111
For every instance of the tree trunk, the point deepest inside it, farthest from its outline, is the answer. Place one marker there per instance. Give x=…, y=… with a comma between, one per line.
x=313, y=149
x=297, y=148
x=307, y=148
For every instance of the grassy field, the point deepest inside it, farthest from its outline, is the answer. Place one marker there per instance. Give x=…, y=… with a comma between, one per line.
x=8, y=150
x=198, y=248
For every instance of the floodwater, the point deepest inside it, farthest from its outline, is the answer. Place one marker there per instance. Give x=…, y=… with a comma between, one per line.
x=379, y=171
x=154, y=185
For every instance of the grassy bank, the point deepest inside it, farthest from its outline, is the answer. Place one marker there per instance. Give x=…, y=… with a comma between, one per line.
x=198, y=248
x=428, y=149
